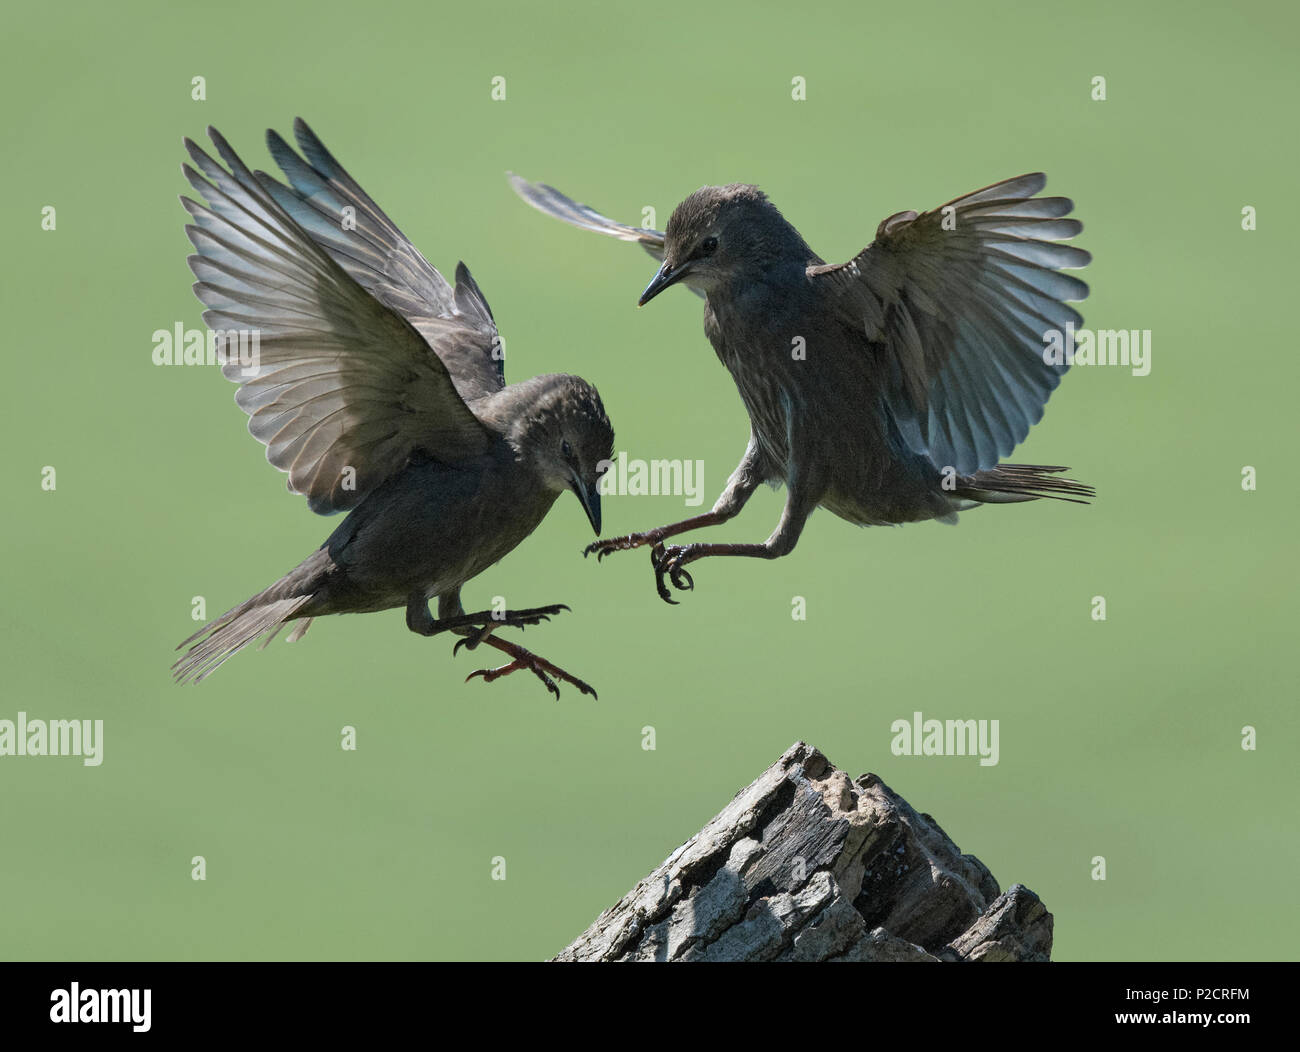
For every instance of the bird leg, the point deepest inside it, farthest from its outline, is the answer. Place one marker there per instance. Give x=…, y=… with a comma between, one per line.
x=476, y=629
x=671, y=561
x=524, y=659
x=656, y=536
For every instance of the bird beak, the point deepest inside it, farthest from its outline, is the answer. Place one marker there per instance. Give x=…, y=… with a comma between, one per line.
x=668, y=275
x=589, y=496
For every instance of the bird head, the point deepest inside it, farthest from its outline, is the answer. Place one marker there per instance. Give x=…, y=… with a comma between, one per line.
x=720, y=234
x=568, y=438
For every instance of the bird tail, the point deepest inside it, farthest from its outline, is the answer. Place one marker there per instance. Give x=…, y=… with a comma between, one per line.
x=1012, y=483
x=268, y=611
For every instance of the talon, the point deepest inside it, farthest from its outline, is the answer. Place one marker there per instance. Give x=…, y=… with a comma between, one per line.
x=664, y=593
x=667, y=562
x=603, y=548
x=526, y=660
x=609, y=545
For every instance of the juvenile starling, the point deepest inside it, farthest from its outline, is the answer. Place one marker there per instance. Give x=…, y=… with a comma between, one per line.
x=884, y=389
x=380, y=389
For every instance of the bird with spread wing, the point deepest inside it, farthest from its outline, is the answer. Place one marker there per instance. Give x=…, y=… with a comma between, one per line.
x=885, y=389
x=379, y=388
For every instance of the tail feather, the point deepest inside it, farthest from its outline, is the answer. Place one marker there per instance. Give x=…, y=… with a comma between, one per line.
x=299, y=630
x=266, y=612
x=233, y=631
x=1012, y=483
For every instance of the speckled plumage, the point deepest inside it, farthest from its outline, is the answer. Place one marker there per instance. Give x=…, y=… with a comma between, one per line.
x=885, y=389
x=380, y=391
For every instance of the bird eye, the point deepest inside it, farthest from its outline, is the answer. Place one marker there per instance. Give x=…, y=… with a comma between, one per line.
x=708, y=246
x=564, y=447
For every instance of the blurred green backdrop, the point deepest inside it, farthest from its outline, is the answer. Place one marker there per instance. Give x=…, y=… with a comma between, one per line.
x=1119, y=739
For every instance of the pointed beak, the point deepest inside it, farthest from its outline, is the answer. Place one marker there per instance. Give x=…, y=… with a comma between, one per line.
x=589, y=496
x=668, y=275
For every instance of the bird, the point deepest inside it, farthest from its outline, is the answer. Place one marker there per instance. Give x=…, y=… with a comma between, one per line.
x=379, y=388
x=885, y=389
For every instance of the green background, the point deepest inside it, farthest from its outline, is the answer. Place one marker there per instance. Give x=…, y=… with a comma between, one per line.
x=1119, y=739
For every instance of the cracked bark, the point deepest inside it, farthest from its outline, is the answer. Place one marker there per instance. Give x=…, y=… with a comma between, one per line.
x=806, y=864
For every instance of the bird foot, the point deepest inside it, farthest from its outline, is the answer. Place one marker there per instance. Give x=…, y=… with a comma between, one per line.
x=488, y=621
x=625, y=543
x=671, y=562
x=528, y=661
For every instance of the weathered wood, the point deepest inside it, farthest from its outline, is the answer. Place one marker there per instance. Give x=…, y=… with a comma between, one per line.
x=806, y=864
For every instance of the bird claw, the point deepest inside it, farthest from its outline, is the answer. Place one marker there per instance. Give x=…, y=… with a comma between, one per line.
x=667, y=561
x=488, y=622
x=604, y=547
x=519, y=619
x=539, y=667
x=670, y=562
x=535, y=616
x=491, y=674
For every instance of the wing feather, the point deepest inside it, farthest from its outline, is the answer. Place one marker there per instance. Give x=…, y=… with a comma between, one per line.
x=961, y=299
x=550, y=201
x=344, y=389
x=356, y=233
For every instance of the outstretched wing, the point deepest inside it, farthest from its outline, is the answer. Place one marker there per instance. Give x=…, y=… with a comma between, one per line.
x=963, y=300
x=343, y=389
x=340, y=217
x=549, y=200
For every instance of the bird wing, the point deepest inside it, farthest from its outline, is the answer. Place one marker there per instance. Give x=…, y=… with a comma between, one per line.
x=343, y=220
x=341, y=381
x=961, y=314
x=549, y=200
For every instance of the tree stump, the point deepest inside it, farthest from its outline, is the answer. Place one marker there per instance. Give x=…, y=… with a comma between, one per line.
x=807, y=865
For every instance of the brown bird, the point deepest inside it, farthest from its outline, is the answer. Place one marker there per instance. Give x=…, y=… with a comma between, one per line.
x=885, y=389
x=380, y=389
